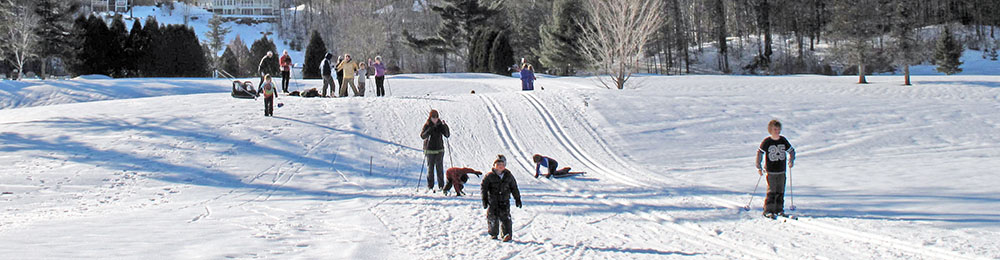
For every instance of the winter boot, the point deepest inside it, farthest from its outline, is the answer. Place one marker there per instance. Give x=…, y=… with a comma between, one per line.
x=507, y=238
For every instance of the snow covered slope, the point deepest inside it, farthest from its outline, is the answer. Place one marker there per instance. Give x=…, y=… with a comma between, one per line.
x=884, y=171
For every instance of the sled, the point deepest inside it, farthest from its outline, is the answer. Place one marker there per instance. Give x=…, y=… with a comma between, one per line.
x=568, y=174
x=243, y=89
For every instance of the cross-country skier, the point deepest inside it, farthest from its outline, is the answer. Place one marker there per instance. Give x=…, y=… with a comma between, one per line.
x=433, y=132
x=286, y=70
x=497, y=188
x=774, y=149
x=262, y=68
x=457, y=177
x=379, y=76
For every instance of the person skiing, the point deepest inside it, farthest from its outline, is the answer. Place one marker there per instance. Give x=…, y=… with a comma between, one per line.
x=527, y=78
x=286, y=70
x=550, y=164
x=262, y=67
x=362, y=76
x=774, y=149
x=326, y=67
x=457, y=177
x=497, y=188
x=347, y=68
x=379, y=76
x=433, y=131
x=267, y=90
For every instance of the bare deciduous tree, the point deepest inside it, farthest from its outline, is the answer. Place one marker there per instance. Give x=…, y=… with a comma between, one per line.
x=615, y=35
x=19, y=29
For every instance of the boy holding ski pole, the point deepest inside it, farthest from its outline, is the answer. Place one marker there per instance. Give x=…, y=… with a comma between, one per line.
x=774, y=149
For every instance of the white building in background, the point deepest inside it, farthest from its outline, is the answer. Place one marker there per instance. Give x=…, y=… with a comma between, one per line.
x=256, y=9
x=119, y=6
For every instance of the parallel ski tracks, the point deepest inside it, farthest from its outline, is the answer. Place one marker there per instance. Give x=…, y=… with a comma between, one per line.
x=504, y=132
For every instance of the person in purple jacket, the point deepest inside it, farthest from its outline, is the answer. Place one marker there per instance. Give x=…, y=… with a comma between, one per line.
x=379, y=76
x=527, y=77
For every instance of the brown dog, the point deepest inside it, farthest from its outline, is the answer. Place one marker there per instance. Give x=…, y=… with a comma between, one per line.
x=457, y=177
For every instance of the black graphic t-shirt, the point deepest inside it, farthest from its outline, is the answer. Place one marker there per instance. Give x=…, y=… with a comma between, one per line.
x=775, y=152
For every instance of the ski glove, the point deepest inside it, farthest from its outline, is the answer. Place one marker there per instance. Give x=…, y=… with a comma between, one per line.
x=518, y=204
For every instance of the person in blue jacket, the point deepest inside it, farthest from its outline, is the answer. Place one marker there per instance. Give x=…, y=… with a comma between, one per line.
x=550, y=164
x=527, y=77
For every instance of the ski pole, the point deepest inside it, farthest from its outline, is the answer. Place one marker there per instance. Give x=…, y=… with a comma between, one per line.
x=450, y=151
x=791, y=195
x=419, y=178
x=388, y=87
x=747, y=207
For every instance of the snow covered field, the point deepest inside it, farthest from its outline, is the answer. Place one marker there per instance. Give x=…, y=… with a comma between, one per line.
x=175, y=168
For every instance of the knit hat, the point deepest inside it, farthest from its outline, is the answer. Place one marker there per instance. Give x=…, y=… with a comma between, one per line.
x=500, y=158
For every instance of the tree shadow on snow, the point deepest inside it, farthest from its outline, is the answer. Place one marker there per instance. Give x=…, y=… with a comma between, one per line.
x=185, y=172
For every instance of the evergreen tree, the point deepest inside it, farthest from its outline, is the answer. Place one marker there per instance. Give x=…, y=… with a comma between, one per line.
x=258, y=50
x=216, y=35
x=183, y=55
x=93, y=53
x=117, y=57
x=135, y=49
x=501, y=55
x=229, y=62
x=150, y=62
x=314, y=56
x=560, y=48
x=947, y=53
x=481, y=50
x=460, y=19
x=54, y=31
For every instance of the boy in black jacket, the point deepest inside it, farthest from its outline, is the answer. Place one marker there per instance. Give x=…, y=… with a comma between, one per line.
x=774, y=148
x=498, y=185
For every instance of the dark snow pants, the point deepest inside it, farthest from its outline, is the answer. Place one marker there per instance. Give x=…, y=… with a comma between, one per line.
x=435, y=162
x=285, y=76
x=498, y=217
x=379, y=89
x=268, y=106
x=775, y=200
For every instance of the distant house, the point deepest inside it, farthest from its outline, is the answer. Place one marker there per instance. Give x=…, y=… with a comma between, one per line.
x=119, y=6
x=256, y=9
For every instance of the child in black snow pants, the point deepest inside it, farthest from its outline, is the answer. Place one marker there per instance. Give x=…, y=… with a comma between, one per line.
x=774, y=148
x=267, y=90
x=498, y=185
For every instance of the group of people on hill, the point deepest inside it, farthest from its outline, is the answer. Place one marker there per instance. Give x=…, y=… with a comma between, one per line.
x=346, y=70
x=499, y=185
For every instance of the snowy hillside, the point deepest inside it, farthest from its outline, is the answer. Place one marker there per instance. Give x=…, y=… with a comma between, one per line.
x=884, y=171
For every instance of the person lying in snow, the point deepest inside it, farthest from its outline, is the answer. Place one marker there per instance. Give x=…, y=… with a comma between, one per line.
x=457, y=177
x=550, y=164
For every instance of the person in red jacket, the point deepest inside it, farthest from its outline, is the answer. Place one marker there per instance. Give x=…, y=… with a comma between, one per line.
x=286, y=70
x=457, y=177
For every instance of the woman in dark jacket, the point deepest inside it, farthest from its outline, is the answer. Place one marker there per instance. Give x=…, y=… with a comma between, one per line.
x=432, y=133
